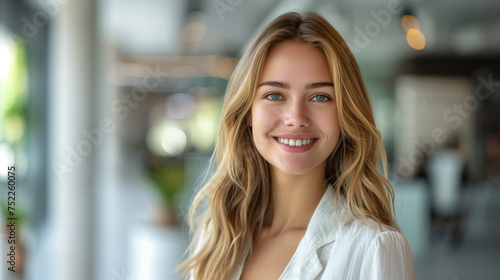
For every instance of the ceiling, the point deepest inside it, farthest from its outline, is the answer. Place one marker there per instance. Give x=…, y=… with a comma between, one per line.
x=173, y=27
x=229, y=24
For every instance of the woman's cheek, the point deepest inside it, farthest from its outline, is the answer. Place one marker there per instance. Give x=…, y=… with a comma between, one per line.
x=259, y=115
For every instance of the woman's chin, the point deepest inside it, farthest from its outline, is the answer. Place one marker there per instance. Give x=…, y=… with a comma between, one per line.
x=294, y=169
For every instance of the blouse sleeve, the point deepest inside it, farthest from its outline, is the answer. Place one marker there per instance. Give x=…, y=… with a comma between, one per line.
x=388, y=257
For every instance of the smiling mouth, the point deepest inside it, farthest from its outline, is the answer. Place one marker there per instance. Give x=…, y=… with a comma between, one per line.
x=295, y=142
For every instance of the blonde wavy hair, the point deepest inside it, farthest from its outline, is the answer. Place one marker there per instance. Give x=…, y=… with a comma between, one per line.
x=232, y=205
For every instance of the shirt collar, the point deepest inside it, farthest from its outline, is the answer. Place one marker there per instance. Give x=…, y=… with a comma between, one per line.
x=322, y=230
x=323, y=225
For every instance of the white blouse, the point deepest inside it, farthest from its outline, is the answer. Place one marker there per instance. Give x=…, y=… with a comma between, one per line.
x=340, y=247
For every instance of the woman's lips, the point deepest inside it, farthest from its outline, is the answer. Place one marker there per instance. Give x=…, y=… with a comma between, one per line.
x=295, y=145
x=296, y=141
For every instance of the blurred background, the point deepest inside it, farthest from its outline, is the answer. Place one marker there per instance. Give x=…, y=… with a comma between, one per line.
x=109, y=111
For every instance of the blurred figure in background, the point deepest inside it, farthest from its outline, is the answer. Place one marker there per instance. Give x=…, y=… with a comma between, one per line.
x=445, y=171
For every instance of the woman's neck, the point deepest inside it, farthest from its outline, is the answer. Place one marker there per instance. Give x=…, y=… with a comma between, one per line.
x=294, y=199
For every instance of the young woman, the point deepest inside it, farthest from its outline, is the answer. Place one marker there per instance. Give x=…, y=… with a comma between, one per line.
x=296, y=192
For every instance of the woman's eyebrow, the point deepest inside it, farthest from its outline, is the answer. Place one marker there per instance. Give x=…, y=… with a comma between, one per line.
x=319, y=85
x=287, y=86
x=275, y=84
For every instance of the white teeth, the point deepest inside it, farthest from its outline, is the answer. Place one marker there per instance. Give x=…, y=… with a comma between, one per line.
x=295, y=142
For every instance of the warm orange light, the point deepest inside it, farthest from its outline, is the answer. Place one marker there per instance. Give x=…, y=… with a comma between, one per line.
x=409, y=22
x=415, y=38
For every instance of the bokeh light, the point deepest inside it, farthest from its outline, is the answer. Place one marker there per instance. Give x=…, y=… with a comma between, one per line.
x=415, y=39
x=409, y=22
x=173, y=141
x=180, y=106
x=165, y=139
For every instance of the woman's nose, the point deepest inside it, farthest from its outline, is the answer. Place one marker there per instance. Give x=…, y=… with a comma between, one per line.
x=296, y=115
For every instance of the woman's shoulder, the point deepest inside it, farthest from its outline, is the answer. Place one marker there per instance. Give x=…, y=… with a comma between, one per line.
x=326, y=227
x=349, y=224
x=365, y=232
x=371, y=248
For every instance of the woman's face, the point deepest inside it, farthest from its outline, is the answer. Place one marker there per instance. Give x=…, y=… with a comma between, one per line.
x=294, y=114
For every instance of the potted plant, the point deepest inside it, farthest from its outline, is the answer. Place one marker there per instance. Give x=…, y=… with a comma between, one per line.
x=168, y=177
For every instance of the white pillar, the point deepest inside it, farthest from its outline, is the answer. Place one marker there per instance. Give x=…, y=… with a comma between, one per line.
x=71, y=152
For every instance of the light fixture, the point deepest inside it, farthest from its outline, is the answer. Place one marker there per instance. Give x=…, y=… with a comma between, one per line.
x=411, y=26
x=415, y=39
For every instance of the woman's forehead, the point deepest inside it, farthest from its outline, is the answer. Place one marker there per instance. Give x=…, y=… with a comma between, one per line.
x=295, y=62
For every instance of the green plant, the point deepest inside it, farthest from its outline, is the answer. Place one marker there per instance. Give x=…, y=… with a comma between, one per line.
x=168, y=179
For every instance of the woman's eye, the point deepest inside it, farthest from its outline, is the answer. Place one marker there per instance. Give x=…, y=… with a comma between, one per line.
x=274, y=96
x=321, y=98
